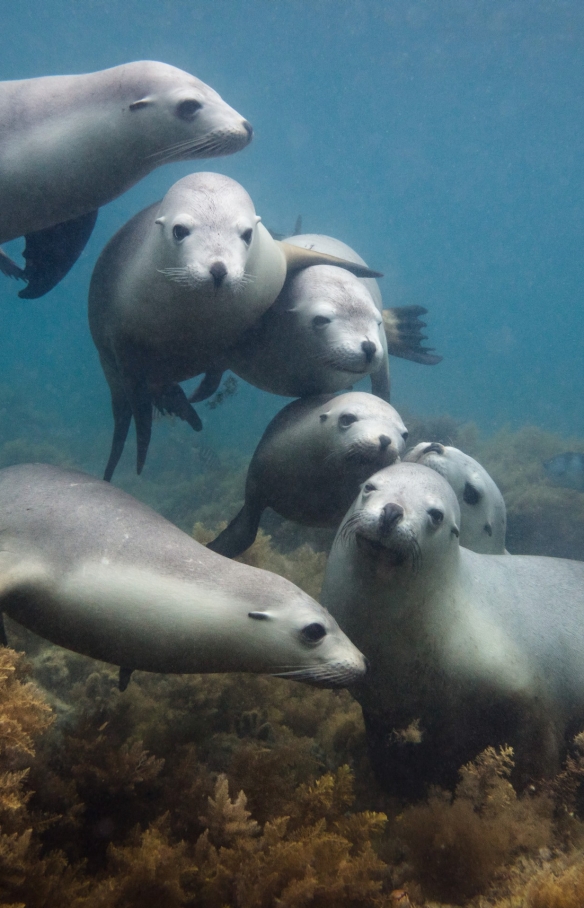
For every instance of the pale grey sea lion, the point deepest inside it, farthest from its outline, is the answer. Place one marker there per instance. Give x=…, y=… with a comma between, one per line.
x=482, y=508
x=311, y=460
x=176, y=287
x=91, y=569
x=478, y=650
x=69, y=144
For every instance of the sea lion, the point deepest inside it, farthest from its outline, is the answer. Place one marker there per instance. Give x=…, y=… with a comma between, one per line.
x=177, y=286
x=89, y=568
x=470, y=650
x=312, y=459
x=482, y=508
x=322, y=334
x=69, y=144
x=403, y=332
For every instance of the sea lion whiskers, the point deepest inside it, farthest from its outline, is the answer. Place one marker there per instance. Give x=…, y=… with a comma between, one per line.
x=347, y=529
x=207, y=146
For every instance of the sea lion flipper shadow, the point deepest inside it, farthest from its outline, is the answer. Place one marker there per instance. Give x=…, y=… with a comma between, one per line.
x=240, y=533
x=50, y=253
x=207, y=387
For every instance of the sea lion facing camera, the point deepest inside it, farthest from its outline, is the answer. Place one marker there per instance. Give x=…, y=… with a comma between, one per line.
x=482, y=508
x=478, y=649
x=69, y=144
x=177, y=286
x=89, y=568
x=311, y=460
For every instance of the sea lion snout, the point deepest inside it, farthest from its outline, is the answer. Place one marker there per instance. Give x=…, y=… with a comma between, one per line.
x=391, y=515
x=218, y=271
x=369, y=349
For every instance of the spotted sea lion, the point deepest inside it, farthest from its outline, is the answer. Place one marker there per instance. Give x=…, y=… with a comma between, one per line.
x=89, y=568
x=477, y=650
x=312, y=459
x=69, y=144
x=176, y=287
x=482, y=508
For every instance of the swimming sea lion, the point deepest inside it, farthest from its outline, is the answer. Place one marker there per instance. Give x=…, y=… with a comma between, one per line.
x=177, y=286
x=322, y=334
x=89, y=568
x=482, y=508
x=69, y=144
x=478, y=649
x=312, y=459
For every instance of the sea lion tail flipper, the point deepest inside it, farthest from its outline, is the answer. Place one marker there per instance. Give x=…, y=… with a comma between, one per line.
x=172, y=399
x=240, y=533
x=50, y=253
x=207, y=387
x=298, y=258
x=403, y=330
x=10, y=268
x=122, y=412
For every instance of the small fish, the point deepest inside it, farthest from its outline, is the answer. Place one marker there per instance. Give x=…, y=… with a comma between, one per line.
x=566, y=470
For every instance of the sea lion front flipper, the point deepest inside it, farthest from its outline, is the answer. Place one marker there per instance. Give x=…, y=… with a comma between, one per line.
x=50, y=253
x=172, y=399
x=124, y=678
x=240, y=533
x=297, y=258
x=10, y=268
x=403, y=330
x=380, y=381
x=207, y=387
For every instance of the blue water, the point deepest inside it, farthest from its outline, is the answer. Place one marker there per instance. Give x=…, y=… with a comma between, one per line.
x=442, y=140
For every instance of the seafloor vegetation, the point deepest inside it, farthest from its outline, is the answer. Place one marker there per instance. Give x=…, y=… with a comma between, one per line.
x=235, y=790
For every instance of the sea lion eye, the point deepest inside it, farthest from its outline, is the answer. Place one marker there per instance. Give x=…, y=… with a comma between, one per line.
x=369, y=487
x=436, y=515
x=470, y=494
x=312, y=633
x=405, y=435
x=186, y=110
x=319, y=321
x=179, y=231
x=347, y=419
x=247, y=235
x=488, y=529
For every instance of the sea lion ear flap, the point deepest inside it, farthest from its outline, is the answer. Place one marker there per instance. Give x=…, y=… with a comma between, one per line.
x=160, y=221
x=324, y=417
x=455, y=531
x=143, y=102
x=297, y=258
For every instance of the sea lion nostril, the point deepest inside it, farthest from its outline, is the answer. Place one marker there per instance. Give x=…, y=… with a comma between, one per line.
x=390, y=515
x=384, y=442
x=218, y=271
x=368, y=348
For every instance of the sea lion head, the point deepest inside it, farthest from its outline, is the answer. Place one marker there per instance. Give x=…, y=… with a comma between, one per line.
x=208, y=227
x=178, y=115
x=406, y=516
x=367, y=433
x=303, y=642
x=339, y=321
x=482, y=508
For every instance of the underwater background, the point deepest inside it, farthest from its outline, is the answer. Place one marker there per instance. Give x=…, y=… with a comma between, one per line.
x=443, y=141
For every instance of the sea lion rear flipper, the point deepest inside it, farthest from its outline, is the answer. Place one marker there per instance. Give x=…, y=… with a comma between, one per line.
x=52, y=252
x=297, y=258
x=3, y=637
x=122, y=412
x=403, y=330
x=207, y=387
x=124, y=677
x=10, y=268
x=173, y=399
x=141, y=402
x=240, y=533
